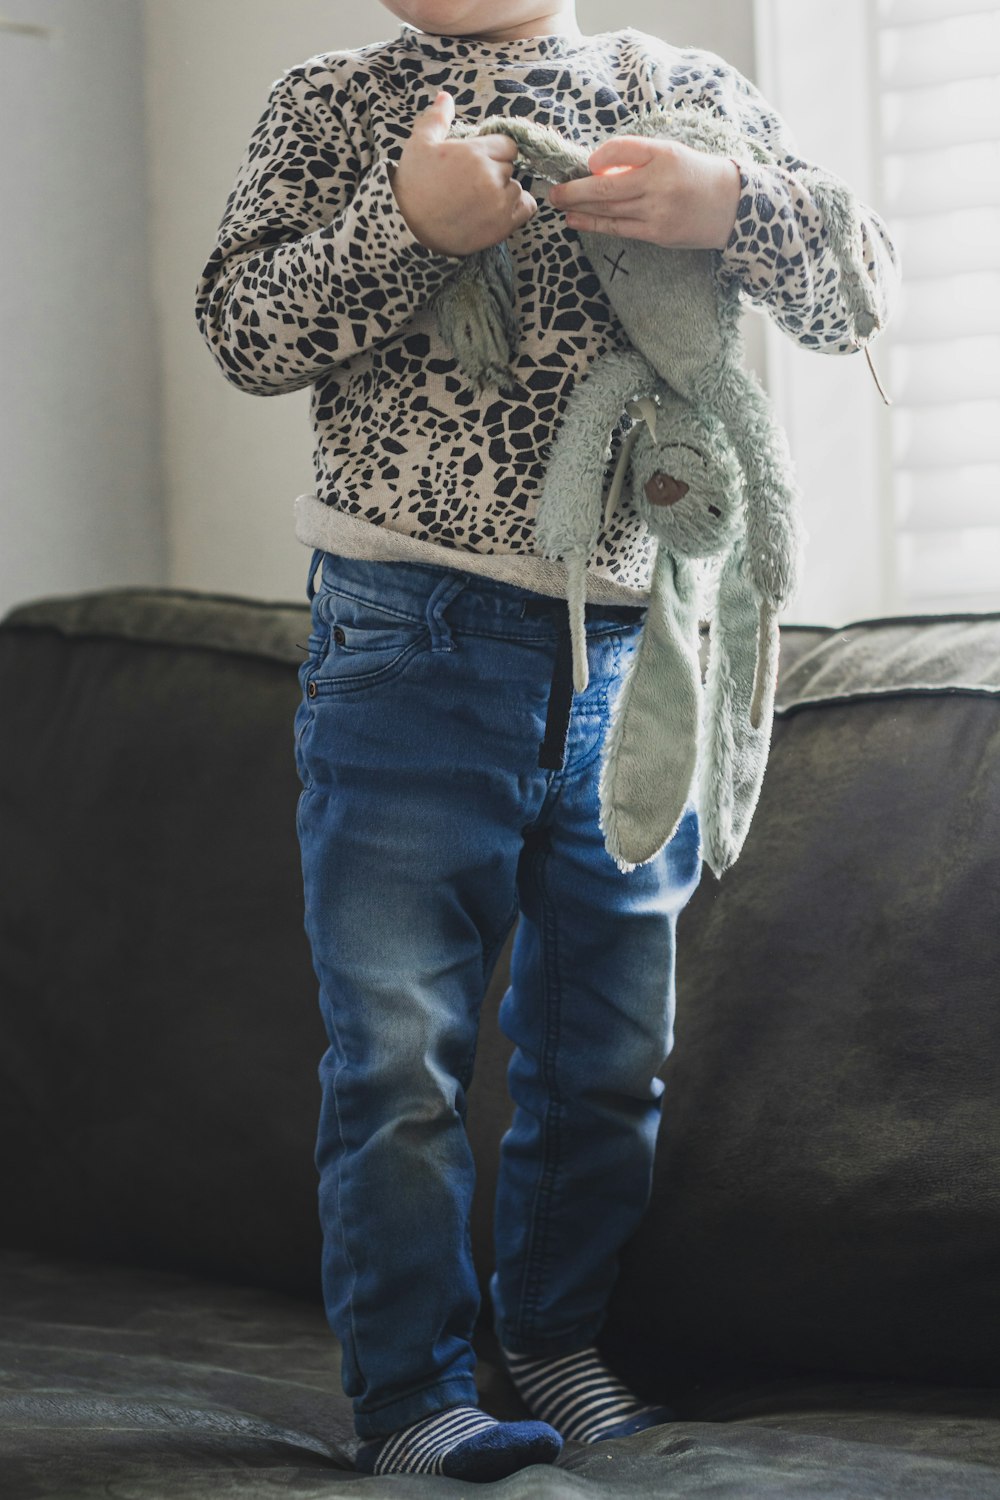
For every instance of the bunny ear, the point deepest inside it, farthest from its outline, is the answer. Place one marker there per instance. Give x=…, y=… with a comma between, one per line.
x=739, y=711
x=476, y=308
x=766, y=674
x=576, y=597
x=540, y=149
x=477, y=316
x=568, y=519
x=650, y=752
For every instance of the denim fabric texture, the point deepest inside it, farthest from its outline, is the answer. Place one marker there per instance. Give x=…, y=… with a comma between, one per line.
x=427, y=827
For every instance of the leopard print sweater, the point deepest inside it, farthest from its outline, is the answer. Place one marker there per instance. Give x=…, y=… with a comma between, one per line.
x=316, y=280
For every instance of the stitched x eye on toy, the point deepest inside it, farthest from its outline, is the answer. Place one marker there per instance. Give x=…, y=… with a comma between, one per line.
x=705, y=466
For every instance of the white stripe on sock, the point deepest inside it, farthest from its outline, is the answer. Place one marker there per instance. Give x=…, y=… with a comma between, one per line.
x=421, y=1447
x=583, y=1412
x=576, y=1393
x=430, y=1453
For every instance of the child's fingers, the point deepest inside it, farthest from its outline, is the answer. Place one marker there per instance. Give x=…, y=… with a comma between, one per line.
x=522, y=204
x=598, y=195
x=622, y=150
x=434, y=122
x=498, y=145
x=627, y=228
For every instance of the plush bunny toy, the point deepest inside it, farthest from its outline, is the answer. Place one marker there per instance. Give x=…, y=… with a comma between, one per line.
x=711, y=478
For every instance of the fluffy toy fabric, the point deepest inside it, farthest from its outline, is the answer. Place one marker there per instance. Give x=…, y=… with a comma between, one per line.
x=711, y=476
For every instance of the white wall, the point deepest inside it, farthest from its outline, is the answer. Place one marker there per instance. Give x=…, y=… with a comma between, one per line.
x=235, y=462
x=80, y=478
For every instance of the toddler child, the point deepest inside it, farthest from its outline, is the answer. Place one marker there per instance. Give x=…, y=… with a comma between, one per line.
x=449, y=778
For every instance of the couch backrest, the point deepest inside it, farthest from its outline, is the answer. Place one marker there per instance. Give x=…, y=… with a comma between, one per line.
x=160, y=1034
x=827, y=1190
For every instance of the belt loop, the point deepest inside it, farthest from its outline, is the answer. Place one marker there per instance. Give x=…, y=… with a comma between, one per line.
x=442, y=596
x=318, y=553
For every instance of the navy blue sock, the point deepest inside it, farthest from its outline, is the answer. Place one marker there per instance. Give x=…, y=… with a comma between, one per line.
x=581, y=1397
x=463, y=1443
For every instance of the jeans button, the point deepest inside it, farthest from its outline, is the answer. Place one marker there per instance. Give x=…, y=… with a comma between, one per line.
x=311, y=690
x=338, y=635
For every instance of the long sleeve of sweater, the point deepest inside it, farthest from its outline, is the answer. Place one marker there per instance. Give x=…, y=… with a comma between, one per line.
x=779, y=251
x=313, y=261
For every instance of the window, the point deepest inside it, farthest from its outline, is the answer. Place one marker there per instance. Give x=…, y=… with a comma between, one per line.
x=902, y=503
x=938, y=81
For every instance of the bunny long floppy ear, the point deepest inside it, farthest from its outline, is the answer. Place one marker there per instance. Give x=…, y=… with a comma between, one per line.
x=733, y=751
x=775, y=535
x=650, y=750
x=569, y=516
x=476, y=308
x=477, y=317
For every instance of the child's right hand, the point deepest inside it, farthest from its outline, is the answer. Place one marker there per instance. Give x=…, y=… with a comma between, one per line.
x=460, y=195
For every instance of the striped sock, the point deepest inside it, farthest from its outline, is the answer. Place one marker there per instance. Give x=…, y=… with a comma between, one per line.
x=463, y=1443
x=580, y=1396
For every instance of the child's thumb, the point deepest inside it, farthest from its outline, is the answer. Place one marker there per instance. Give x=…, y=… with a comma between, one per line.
x=435, y=121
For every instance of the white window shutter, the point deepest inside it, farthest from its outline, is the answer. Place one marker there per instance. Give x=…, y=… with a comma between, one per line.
x=938, y=81
x=902, y=99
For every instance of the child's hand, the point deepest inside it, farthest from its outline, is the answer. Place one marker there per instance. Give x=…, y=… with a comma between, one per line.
x=458, y=196
x=655, y=190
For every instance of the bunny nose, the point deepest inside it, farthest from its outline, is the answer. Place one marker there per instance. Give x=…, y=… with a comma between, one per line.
x=664, y=489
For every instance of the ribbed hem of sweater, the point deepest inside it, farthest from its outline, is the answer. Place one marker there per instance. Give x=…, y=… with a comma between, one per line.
x=321, y=525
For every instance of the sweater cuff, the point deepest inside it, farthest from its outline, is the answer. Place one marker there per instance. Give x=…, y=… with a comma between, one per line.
x=391, y=251
x=757, y=226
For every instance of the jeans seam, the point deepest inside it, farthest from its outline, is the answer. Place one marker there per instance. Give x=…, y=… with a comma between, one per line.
x=340, y=1161
x=298, y=755
x=535, y=1253
x=577, y=766
x=499, y=936
x=496, y=942
x=433, y=1385
x=601, y=708
x=528, y=639
x=376, y=604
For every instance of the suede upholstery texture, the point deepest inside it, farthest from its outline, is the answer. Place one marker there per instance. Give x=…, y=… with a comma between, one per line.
x=815, y=1286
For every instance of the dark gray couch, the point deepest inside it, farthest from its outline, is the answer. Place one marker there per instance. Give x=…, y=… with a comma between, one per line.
x=817, y=1283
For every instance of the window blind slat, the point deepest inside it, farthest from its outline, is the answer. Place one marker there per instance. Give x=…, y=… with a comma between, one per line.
x=910, y=12
x=942, y=51
x=927, y=500
x=935, y=245
x=987, y=602
x=927, y=374
x=936, y=115
x=946, y=437
x=949, y=307
x=939, y=564
x=957, y=177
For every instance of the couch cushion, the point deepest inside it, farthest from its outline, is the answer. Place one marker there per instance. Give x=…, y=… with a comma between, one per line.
x=159, y=1386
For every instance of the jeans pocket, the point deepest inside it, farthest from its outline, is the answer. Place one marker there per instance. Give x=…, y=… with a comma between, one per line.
x=360, y=644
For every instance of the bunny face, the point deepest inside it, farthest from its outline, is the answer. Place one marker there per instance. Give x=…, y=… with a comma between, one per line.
x=686, y=482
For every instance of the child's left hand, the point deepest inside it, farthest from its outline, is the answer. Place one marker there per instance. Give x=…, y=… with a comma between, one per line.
x=656, y=190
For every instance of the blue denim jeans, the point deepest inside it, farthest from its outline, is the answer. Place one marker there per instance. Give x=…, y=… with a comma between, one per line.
x=427, y=826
